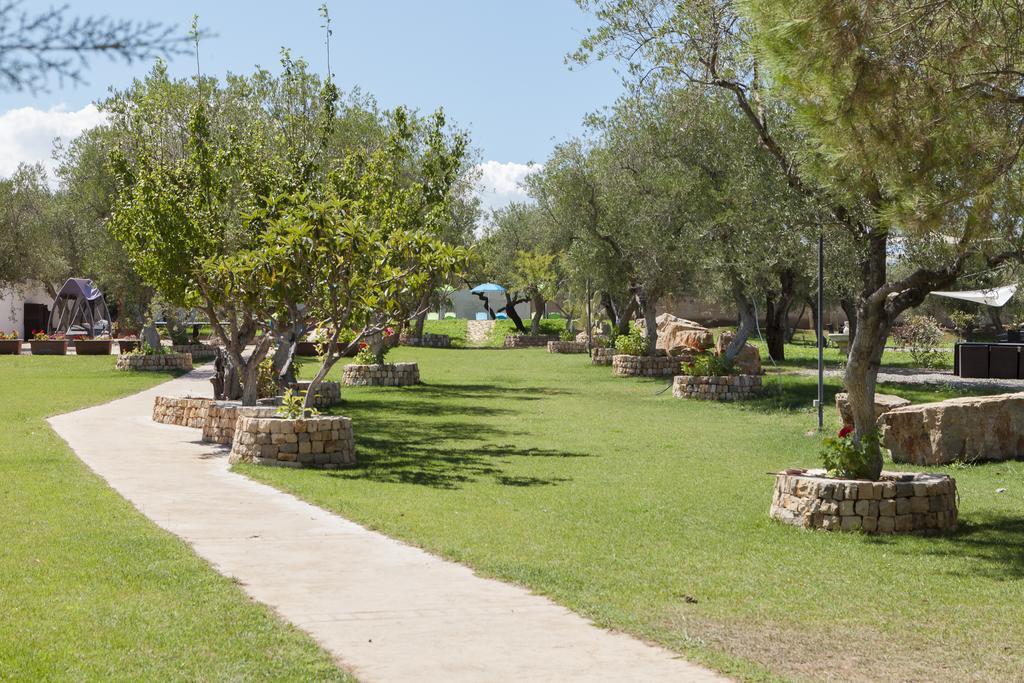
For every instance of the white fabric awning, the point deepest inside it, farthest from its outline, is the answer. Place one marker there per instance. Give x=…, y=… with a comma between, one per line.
x=997, y=296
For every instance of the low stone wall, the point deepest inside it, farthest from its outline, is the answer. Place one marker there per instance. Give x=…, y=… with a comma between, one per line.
x=522, y=341
x=435, y=341
x=956, y=430
x=718, y=388
x=222, y=416
x=155, y=363
x=387, y=375
x=567, y=347
x=182, y=411
x=200, y=352
x=899, y=502
x=645, y=366
x=602, y=355
x=322, y=442
x=328, y=393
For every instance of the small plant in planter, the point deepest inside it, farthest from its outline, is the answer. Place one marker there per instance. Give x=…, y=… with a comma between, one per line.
x=710, y=365
x=144, y=349
x=845, y=459
x=292, y=407
x=48, y=344
x=10, y=344
x=566, y=336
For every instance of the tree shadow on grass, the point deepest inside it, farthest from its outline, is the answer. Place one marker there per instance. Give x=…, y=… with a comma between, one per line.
x=486, y=392
x=995, y=543
x=442, y=455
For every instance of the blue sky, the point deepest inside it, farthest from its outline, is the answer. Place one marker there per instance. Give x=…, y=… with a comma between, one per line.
x=495, y=66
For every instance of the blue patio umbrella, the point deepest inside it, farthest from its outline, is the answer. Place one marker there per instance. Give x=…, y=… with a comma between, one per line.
x=487, y=287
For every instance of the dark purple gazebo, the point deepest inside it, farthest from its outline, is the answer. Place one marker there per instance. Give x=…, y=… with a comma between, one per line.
x=79, y=310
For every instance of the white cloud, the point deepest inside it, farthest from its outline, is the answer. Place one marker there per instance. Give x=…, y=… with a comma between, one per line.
x=27, y=134
x=501, y=182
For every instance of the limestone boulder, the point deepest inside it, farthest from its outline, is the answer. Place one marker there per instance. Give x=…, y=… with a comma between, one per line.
x=959, y=429
x=883, y=404
x=749, y=358
x=678, y=335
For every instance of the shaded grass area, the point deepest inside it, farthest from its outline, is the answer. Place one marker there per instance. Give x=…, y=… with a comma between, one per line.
x=621, y=502
x=456, y=329
x=90, y=589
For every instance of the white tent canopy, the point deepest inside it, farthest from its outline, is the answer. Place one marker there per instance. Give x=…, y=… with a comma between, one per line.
x=997, y=296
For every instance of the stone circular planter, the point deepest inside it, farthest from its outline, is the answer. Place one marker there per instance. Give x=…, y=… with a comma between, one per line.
x=328, y=393
x=52, y=347
x=523, y=341
x=645, y=366
x=900, y=502
x=200, y=352
x=387, y=375
x=155, y=363
x=321, y=442
x=567, y=347
x=222, y=417
x=602, y=355
x=184, y=411
x=717, y=388
x=10, y=347
x=92, y=347
x=435, y=341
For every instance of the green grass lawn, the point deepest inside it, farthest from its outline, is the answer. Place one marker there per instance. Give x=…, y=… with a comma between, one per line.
x=456, y=329
x=623, y=503
x=90, y=589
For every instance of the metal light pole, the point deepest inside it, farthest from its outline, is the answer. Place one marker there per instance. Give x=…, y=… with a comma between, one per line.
x=820, y=331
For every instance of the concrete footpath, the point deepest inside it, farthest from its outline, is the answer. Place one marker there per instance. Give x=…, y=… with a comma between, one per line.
x=386, y=611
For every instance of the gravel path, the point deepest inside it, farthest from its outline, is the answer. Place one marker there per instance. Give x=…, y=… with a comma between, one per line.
x=929, y=376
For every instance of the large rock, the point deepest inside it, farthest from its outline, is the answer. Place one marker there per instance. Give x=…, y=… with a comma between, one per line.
x=748, y=360
x=678, y=335
x=960, y=429
x=883, y=404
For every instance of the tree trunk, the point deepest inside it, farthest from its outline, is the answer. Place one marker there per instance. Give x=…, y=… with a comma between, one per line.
x=626, y=316
x=862, y=373
x=421, y=317
x=776, y=316
x=747, y=320
x=646, y=304
x=609, y=309
x=850, y=309
x=538, y=303
x=510, y=311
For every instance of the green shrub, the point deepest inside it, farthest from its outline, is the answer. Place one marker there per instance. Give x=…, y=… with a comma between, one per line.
x=366, y=356
x=920, y=334
x=710, y=365
x=266, y=379
x=843, y=458
x=144, y=349
x=632, y=344
x=291, y=407
x=566, y=336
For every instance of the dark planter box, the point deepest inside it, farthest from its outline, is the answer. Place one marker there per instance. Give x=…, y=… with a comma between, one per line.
x=92, y=347
x=10, y=347
x=50, y=347
x=127, y=345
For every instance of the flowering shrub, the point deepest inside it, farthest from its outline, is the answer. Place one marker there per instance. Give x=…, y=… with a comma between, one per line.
x=40, y=335
x=920, y=334
x=846, y=459
x=366, y=356
x=8, y=336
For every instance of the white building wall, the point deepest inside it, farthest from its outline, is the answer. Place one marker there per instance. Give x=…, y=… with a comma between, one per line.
x=12, y=306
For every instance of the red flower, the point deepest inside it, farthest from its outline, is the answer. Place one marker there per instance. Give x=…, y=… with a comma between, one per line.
x=845, y=432
x=362, y=345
